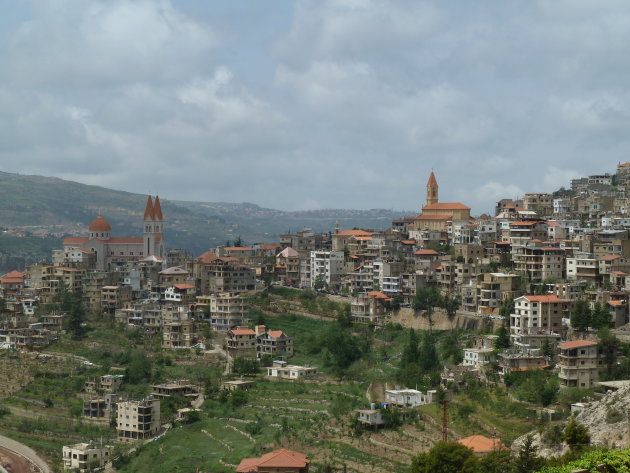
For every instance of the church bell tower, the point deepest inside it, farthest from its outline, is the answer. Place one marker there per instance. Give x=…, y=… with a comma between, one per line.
x=432, y=190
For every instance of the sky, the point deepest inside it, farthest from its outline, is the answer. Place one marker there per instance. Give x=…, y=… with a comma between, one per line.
x=308, y=104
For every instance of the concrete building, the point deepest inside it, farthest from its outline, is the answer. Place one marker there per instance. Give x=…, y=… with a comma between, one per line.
x=326, y=267
x=537, y=318
x=138, y=420
x=85, y=456
x=281, y=369
x=579, y=364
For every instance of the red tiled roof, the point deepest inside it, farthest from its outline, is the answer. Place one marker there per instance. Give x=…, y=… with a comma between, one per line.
x=446, y=206
x=482, y=444
x=432, y=180
x=149, y=213
x=577, y=344
x=619, y=273
x=434, y=217
x=157, y=208
x=523, y=223
x=408, y=242
x=13, y=277
x=426, y=252
x=207, y=257
x=269, y=246
x=610, y=257
x=275, y=333
x=281, y=458
x=242, y=331
x=617, y=303
x=99, y=224
x=238, y=248
x=354, y=233
x=548, y=298
x=184, y=286
x=378, y=295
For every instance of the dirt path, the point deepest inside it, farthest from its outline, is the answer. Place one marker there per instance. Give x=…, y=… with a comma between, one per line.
x=9, y=446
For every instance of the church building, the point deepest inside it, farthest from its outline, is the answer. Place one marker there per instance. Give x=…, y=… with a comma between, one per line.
x=112, y=252
x=435, y=215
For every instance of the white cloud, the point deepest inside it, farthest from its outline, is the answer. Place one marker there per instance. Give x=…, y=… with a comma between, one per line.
x=97, y=43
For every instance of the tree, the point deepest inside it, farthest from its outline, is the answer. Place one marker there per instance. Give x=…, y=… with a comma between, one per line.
x=446, y=457
x=238, y=242
x=507, y=307
x=451, y=305
x=139, y=368
x=608, y=345
x=497, y=461
x=526, y=460
x=547, y=349
x=580, y=315
x=601, y=317
x=503, y=340
x=426, y=300
x=576, y=435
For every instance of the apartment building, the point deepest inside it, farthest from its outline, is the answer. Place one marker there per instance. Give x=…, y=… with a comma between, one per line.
x=579, y=363
x=326, y=267
x=138, y=420
x=582, y=266
x=539, y=262
x=493, y=288
x=540, y=203
x=537, y=318
x=222, y=310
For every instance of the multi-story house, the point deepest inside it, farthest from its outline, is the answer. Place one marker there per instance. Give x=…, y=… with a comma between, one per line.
x=537, y=263
x=370, y=308
x=288, y=265
x=579, y=362
x=523, y=232
x=222, y=310
x=494, y=288
x=138, y=420
x=180, y=334
x=274, y=343
x=222, y=274
x=582, y=266
x=326, y=267
x=537, y=318
x=115, y=297
x=241, y=342
x=540, y=203
x=85, y=456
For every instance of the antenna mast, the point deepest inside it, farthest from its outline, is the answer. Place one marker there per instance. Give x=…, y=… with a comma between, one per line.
x=445, y=420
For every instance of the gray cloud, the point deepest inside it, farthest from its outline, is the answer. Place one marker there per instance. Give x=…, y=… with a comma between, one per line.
x=345, y=104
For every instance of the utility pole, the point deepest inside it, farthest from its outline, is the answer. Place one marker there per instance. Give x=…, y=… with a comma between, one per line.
x=445, y=420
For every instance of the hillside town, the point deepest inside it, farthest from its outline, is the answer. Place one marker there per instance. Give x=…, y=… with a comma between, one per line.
x=542, y=285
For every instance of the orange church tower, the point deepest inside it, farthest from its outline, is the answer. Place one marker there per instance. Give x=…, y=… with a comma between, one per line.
x=432, y=190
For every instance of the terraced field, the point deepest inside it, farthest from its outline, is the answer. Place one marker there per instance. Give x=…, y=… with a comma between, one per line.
x=312, y=417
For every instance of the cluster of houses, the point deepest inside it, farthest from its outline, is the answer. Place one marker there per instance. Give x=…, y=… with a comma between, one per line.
x=544, y=252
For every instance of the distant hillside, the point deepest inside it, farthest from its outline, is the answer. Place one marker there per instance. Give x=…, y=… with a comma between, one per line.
x=49, y=205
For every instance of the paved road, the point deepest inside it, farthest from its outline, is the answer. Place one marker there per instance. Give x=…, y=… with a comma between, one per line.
x=26, y=452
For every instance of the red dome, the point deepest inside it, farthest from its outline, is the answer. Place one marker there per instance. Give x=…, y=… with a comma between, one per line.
x=99, y=224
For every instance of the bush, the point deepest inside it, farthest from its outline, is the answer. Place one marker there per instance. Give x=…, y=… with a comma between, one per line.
x=613, y=416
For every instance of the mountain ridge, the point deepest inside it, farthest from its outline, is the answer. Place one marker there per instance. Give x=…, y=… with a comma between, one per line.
x=58, y=207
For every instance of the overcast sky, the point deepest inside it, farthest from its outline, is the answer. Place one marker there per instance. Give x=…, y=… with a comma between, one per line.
x=296, y=104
